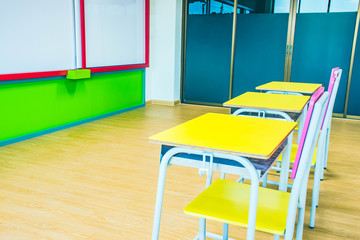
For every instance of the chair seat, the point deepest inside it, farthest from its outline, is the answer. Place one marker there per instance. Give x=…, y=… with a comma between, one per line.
x=297, y=125
x=228, y=202
x=294, y=148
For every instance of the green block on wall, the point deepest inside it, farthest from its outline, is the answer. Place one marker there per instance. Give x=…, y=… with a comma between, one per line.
x=35, y=106
x=78, y=74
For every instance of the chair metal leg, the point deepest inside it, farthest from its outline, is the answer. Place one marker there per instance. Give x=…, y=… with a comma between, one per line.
x=202, y=230
x=225, y=231
x=327, y=146
x=319, y=174
x=222, y=176
x=324, y=150
x=265, y=180
x=301, y=213
x=322, y=170
x=278, y=166
x=240, y=180
x=216, y=236
x=300, y=224
x=276, y=237
x=315, y=193
x=197, y=237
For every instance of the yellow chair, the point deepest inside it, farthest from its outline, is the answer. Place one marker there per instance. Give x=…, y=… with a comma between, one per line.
x=294, y=148
x=228, y=202
x=297, y=126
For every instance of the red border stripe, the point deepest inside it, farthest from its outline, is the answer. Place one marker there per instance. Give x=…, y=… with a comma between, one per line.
x=83, y=42
x=17, y=76
x=116, y=68
x=121, y=67
x=147, y=31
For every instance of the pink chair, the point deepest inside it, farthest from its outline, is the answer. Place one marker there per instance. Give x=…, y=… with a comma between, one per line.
x=320, y=156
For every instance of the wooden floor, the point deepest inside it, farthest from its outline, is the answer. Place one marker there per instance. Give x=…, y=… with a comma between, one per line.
x=98, y=181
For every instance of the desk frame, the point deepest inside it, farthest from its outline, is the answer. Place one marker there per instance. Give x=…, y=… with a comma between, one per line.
x=287, y=90
x=303, y=112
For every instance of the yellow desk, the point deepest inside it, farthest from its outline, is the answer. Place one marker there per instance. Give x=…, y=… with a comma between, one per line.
x=248, y=137
x=304, y=88
x=268, y=101
x=294, y=106
x=218, y=137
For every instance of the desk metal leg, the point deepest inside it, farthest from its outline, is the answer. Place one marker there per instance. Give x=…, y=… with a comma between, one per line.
x=284, y=173
x=202, y=233
x=159, y=197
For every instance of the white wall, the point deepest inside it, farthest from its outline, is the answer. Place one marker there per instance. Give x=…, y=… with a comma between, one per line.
x=163, y=74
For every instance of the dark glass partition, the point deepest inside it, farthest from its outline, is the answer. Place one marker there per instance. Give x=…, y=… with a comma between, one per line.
x=323, y=41
x=208, y=52
x=260, y=46
x=354, y=95
x=266, y=48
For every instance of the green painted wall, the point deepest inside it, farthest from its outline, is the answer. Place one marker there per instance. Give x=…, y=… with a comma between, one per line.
x=31, y=107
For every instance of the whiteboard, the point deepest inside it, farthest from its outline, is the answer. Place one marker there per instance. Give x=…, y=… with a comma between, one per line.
x=36, y=36
x=114, y=32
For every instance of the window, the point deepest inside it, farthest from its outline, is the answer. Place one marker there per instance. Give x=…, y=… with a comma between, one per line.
x=196, y=7
x=282, y=6
x=311, y=6
x=344, y=5
x=221, y=8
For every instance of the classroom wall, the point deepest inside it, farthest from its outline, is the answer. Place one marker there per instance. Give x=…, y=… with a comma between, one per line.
x=37, y=106
x=163, y=74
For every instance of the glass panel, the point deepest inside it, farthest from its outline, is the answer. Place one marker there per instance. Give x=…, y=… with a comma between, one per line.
x=115, y=32
x=208, y=52
x=323, y=41
x=354, y=99
x=344, y=5
x=310, y=6
x=281, y=6
x=220, y=7
x=260, y=46
x=196, y=7
x=210, y=7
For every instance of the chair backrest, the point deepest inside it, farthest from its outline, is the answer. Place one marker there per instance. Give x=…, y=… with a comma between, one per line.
x=304, y=163
x=314, y=98
x=332, y=89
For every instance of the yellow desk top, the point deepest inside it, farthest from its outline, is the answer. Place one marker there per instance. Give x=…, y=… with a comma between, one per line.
x=279, y=102
x=307, y=88
x=244, y=136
